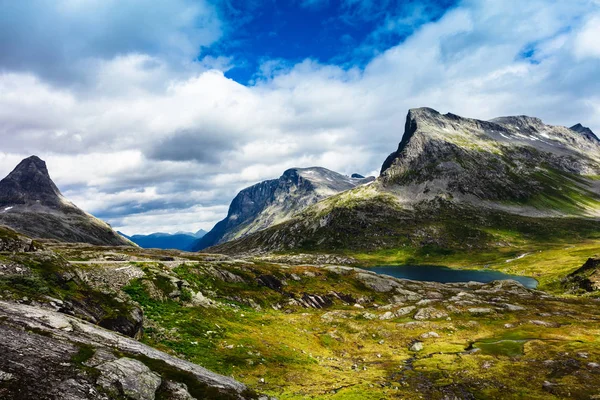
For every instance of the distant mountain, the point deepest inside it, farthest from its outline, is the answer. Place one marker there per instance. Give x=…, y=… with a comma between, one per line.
x=30, y=203
x=159, y=240
x=456, y=183
x=274, y=201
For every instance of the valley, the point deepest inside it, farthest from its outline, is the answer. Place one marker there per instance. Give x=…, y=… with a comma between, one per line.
x=292, y=295
x=349, y=332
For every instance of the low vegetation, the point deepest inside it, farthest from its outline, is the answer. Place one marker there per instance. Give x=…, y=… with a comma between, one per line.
x=306, y=331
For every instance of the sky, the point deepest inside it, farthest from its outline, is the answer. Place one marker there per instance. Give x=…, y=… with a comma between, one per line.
x=153, y=114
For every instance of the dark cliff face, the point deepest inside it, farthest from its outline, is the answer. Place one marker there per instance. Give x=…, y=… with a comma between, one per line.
x=410, y=127
x=29, y=182
x=270, y=202
x=585, y=131
x=31, y=203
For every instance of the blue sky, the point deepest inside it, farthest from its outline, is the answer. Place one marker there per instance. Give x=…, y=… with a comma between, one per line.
x=347, y=33
x=152, y=114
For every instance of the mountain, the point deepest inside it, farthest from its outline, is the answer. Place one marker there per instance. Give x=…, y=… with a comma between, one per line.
x=179, y=240
x=585, y=131
x=198, y=234
x=453, y=184
x=274, y=201
x=30, y=203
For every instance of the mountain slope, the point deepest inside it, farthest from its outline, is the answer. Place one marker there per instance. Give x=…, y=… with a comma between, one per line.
x=274, y=201
x=179, y=241
x=457, y=183
x=31, y=203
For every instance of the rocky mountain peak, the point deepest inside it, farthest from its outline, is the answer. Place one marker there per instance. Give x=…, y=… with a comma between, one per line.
x=29, y=182
x=31, y=204
x=273, y=201
x=585, y=131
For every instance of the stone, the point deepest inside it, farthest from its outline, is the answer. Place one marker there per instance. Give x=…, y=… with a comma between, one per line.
x=416, y=346
x=480, y=310
x=177, y=391
x=404, y=311
x=369, y=315
x=130, y=378
x=6, y=376
x=429, y=313
x=378, y=283
x=513, y=307
x=545, y=323
x=428, y=335
x=387, y=315
x=38, y=350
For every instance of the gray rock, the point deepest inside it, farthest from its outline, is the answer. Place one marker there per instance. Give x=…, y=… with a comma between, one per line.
x=39, y=346
x=130, y=378
x=480, y=310
x=177, y=391
x=416, y=346
x=513, y=307
x=378, y=283
x=6, y=376
x=387, y=315
x=430, y=313
x=404, y=311
x=545, y=323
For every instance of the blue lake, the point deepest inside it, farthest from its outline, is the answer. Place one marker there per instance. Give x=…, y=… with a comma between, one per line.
x=434, y=273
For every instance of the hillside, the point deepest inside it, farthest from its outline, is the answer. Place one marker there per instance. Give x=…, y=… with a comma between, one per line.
x=31, y=203
x=454, y=185
x=274, y=201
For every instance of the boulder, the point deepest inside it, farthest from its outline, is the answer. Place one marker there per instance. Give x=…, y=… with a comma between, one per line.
x=130, y=378
x=430, y=313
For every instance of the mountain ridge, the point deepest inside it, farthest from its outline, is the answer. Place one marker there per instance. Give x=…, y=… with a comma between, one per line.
x=454, y=182
x=273, y=201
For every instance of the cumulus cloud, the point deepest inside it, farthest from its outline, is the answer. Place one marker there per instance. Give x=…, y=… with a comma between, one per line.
x=53, y=38
x=586, y=41
x=150, y=143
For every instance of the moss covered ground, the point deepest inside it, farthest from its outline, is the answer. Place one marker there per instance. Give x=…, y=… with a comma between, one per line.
x=321, y=332
x=345, y=346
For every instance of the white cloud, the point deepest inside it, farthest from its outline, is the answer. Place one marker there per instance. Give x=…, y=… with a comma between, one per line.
x=587, y=41
x=154, y=146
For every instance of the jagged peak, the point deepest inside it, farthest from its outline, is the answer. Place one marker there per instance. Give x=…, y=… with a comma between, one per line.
x=427, y=124
x=31, y=165
x=30, y=182
x=585, y=131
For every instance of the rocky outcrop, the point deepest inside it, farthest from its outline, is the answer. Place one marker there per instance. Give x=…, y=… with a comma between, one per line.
x=584, y=279
x=13, y=242
x=32, y=204
x=46, y=354
x=274, y=201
